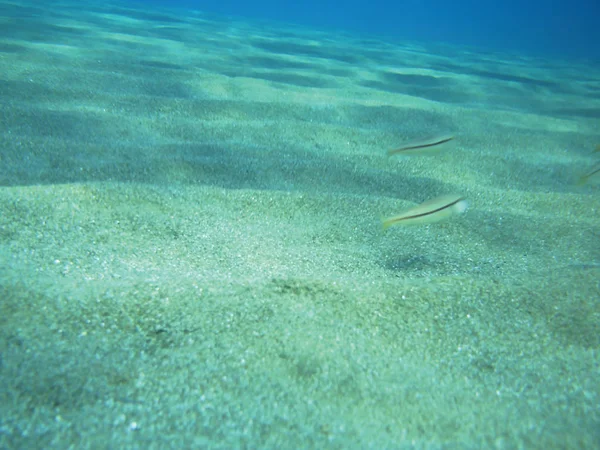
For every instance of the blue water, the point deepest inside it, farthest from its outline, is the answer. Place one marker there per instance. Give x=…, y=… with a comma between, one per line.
x=563, y=28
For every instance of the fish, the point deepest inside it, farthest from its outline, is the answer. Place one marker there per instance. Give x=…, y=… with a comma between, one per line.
x=435, y=210
x=586, y=176
x=427, y=146
x=597, y=149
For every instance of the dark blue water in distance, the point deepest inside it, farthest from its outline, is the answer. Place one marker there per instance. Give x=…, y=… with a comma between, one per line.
x=558, y=28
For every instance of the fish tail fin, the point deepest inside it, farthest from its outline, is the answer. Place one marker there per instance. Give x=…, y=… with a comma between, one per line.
x=385, y=223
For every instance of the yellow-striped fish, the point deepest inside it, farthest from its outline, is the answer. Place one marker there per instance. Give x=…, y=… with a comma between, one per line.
x=431, y=211
x=428, y=146
x=594, y=172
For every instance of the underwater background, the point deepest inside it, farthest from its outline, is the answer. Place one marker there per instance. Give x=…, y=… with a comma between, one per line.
x=561, y=28
x=268, y=225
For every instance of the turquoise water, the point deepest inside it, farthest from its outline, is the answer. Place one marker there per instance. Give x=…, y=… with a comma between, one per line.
x=192, y=252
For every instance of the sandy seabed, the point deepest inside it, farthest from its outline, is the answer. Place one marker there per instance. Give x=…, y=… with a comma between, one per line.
x=191, y=249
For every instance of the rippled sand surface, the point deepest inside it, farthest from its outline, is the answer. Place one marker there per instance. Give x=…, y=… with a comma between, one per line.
x=192, y=253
